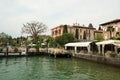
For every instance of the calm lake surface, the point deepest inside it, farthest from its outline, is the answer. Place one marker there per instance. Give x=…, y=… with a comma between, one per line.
x=48, y=68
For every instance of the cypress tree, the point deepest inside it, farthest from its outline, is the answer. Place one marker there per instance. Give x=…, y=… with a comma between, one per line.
x=84, y=35
x=90, y=25
x=65, y=29
x=76, y=34
x=99, y=28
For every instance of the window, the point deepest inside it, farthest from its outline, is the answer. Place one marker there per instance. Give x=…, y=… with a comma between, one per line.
x=105, y=30
x=52, y=33
x=80, y=30
x=80, y=36
x=59, y=31
x=116, y=28
x=106, y=37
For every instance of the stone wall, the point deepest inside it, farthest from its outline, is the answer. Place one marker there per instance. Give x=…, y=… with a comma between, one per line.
x=99, y=59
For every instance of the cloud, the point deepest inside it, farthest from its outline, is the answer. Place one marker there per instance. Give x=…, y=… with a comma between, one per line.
x=55, y=12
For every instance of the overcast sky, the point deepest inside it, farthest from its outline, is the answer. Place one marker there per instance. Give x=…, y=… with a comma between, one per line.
x=14, y=13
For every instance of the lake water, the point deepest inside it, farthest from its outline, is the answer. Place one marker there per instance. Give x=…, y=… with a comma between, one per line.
x=48, y=68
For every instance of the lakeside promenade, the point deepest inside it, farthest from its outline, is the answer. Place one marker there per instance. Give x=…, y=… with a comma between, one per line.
x=55, y=52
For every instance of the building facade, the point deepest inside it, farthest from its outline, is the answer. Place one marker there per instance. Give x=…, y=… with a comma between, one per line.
x=79, y=32
x=116, y=28
x=57, y=31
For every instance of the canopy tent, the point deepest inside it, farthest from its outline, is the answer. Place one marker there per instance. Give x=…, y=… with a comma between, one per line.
x=114, y=42
x=107, y=42
x=78, y=44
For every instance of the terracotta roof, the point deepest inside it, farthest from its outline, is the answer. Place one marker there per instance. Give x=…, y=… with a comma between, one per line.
x=83, y=27
x=100, y=31
x=57, y=27
x=113, y=21
x=74, y=26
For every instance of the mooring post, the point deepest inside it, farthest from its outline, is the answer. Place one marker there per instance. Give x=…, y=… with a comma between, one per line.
x=26, y=50
x=20, y=53
x=6, y=51
x=103, y=50
x=54, y=55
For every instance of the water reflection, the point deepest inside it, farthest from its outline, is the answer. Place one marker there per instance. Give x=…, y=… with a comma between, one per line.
x=47, y=68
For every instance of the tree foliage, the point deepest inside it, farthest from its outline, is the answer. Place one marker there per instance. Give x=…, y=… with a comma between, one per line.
x=65, y=29
x=99, y=28
x=99, y=37
x=76, y=34
x=65, y=38
x=40, y=41
x=5, y=38
x=117, y=37
x=110, y=29
x=90, y=25
x=51, y=42
x=84, y=35
x=34, y=28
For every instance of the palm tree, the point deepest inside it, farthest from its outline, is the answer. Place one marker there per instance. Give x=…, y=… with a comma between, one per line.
x=110, y=29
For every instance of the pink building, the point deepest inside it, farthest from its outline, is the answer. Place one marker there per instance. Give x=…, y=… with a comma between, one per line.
x=115, y=24
x=57, y=31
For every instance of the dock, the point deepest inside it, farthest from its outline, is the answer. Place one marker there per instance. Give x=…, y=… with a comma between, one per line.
x=53, y=52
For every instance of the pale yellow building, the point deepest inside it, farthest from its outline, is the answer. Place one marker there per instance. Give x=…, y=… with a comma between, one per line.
x=82, y=32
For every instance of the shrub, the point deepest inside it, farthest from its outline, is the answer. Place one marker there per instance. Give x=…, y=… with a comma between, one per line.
x=1, y=49
x=113, y=54
x=15, y=50
x=118, y=55
x=98, y=54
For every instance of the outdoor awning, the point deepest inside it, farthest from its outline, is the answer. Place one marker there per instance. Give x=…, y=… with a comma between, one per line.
x=114, y=42
x=78, y=44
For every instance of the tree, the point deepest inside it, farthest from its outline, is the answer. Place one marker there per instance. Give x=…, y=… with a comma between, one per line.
x=117, y=37
x=65, y=29
x=76, y=34
x=99, y=28
x=110, y=29
x=90, y=25
x=34, y=28
x=51, y=42
x=5, y=38
x=84, y=35
x=16, y=42
x=40, y=40
x=99, y=37
x=65, y=38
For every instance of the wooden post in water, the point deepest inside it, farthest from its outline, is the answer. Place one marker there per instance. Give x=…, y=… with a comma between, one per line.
x=20, y=53
x=6, y=51
x=55, y=56
x=103, y=50
x=26, y=50
x=116, y=49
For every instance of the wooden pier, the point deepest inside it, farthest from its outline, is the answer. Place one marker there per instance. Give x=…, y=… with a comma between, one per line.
x=54, y=52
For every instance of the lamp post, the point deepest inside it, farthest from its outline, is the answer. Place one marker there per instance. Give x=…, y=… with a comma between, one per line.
x=7, y=44
x=47, y=44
